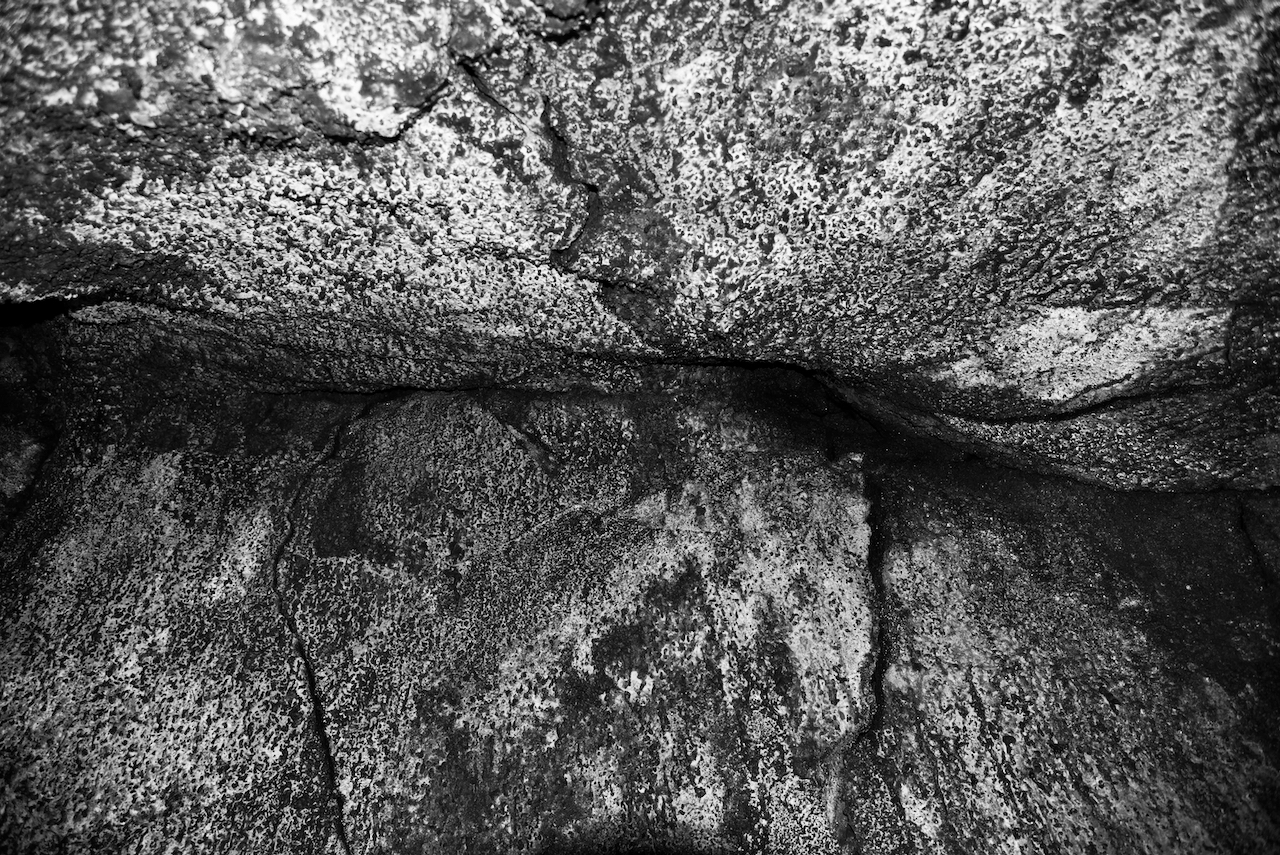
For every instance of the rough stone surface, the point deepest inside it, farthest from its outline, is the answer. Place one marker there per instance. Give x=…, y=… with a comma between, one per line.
x=1046, y=229
x=1067, y=669
x=580, y=426
x=695, y=616
x=542, y=632
x=151, y=696
x=442, y=623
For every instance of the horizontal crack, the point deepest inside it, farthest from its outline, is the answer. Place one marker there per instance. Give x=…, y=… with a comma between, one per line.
x=377, y=140
x=567, y=27
x=890, y=419
x=1115, y=402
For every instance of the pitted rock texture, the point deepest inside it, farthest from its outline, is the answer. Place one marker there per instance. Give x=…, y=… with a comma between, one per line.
x=150, y=694
x=1026, y=226
x=695, y=617
x=583, y=625
x=439, y=623
x=1067, y=669
x=441, y=426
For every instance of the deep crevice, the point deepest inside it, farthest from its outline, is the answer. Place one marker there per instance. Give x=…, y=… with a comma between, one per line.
x=899, y=440
x=1115, y=402
x=28, y=313
x=877, y=559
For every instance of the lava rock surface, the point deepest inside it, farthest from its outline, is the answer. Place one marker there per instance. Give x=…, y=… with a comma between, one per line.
x=1046, y=230
x=579, y=426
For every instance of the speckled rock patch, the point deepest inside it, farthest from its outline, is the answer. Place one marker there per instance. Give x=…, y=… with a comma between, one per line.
x=1069, y=670
x=542, y=585
x=476, y=622
x=696, y=617
x=151, y=697
x=534, y=640
x=1029, y=224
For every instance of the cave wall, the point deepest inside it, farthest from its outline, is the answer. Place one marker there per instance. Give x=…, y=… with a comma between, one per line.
x=706, y=616
x=1046, y=229
x=576, y=426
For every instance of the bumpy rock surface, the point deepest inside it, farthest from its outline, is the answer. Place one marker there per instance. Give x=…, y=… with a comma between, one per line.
x=1069, y=670
x=682, y=617
x=150, y=693
x=541, y=632
x=578, y=426
x=446, y=623
x=1044, y=229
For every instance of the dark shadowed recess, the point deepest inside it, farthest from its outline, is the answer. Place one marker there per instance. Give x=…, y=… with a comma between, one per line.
x=1190, y=556
x=1217, y=532
x=56, y=374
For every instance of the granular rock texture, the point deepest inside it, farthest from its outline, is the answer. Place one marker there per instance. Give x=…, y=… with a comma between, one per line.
x=1068, y=670
x=150, y=694
x=440, y=623
x=584, y=644
x=681, y=617
x=584, y=426
x=1044, y=229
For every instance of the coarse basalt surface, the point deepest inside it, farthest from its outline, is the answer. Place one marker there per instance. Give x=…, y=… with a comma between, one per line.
x=1045, y=230
x=1024, y=618
x=151, y=695
x=645, y=620
x=615, y=426
x=708, y=615
x=436, y=622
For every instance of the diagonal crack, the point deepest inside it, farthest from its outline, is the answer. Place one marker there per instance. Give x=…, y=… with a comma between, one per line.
x=415, y=115
x=534, y=445
x=336, y=803
x=469, y=68
x=318, y=722
x=562, y=167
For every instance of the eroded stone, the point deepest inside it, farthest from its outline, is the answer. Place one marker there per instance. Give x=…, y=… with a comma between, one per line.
x=978, y=212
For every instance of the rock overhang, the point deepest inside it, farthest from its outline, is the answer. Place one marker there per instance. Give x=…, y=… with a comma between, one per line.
x=1033, y=226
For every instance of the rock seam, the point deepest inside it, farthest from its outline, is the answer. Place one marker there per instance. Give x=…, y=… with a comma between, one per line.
x=318, y=718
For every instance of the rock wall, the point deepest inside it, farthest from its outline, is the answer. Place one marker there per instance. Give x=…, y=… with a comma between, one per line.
x=576, y=426
x=690, y=617
x=1047, y=229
